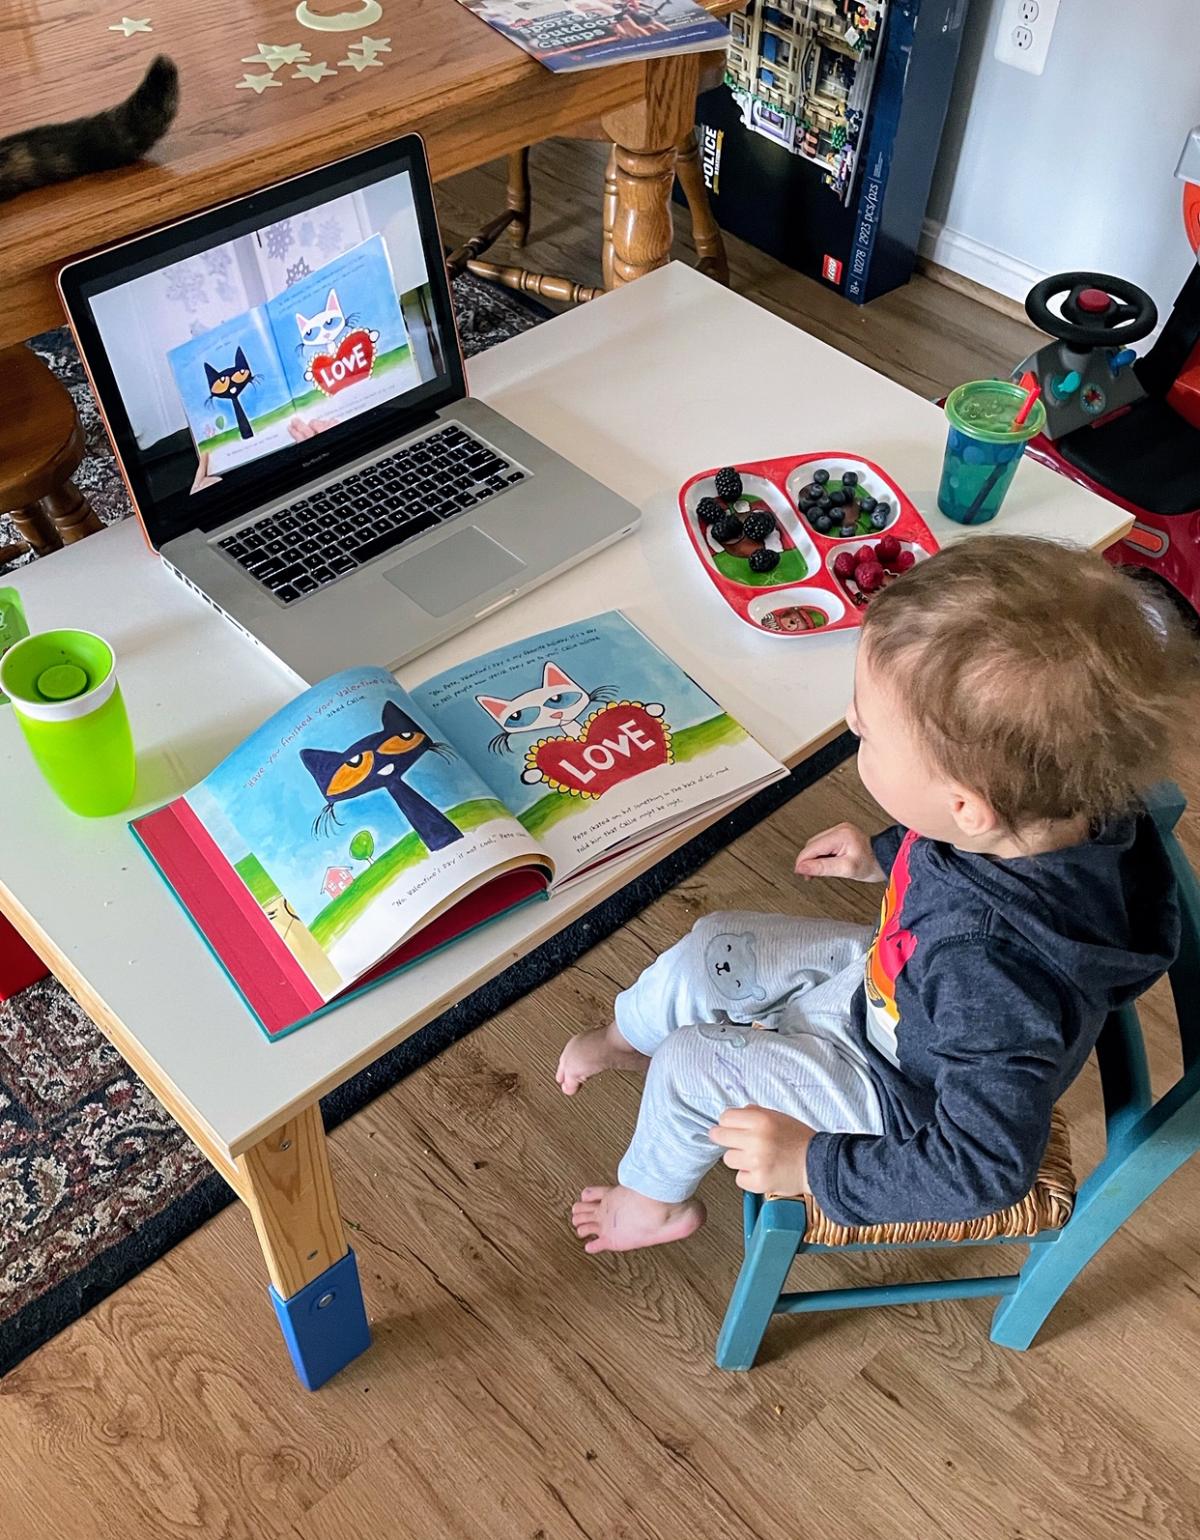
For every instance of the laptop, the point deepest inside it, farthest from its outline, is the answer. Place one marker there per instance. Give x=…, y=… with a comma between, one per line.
x=283, y=384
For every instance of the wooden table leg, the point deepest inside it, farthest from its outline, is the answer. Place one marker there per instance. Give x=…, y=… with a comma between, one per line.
x=288, y=1187
x=36, y=528
x=645, y=134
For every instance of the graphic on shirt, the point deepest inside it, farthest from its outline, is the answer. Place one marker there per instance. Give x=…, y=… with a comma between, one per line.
x=888, y=953
x=730, y=963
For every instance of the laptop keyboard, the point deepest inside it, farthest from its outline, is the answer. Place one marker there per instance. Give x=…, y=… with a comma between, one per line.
x=317, y=540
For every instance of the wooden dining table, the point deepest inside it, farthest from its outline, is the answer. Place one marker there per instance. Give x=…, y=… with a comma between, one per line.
x=442, y=73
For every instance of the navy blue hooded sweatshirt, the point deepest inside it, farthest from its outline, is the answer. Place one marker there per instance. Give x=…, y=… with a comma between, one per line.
x=985, y=989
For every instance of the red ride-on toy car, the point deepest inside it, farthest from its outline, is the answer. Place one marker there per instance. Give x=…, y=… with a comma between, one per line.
x=1128, y=428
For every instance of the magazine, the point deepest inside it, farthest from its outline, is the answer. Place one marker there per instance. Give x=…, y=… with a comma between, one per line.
x=584, y=34
x=363, y=826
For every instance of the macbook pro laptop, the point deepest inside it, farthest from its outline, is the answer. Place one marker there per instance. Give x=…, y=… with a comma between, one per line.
x=283, y=385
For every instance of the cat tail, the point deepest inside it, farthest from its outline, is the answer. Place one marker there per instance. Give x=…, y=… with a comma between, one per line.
x=118, y=136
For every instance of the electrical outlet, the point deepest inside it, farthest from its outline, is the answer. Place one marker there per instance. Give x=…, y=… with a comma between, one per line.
x=1024, y=36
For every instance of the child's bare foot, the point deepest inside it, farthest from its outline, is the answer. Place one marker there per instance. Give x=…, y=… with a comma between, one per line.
x=619, y=1219
x=590, y=1052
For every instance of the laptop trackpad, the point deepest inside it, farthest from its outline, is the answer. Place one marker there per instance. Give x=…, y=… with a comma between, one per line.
x=454, y=572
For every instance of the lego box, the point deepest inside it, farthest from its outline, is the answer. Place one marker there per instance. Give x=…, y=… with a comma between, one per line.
x=820, y=145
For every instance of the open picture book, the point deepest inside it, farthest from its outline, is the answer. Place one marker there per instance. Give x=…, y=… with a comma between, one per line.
x=585, y=34
x=363, y=826
x=332, y=344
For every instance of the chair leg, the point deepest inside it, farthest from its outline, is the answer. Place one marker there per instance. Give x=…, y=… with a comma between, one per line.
x=518, y=196
x=1153, y=1150
x=610, y=215
x=769, y=1256
x=706, y=232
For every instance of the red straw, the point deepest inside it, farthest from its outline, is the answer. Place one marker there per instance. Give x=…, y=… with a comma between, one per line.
x=1031, y=385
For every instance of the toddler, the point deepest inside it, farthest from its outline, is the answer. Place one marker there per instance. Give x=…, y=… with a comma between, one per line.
x=1012, y=700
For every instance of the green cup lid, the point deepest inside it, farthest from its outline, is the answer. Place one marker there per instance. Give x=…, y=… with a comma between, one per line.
x=64, y=681
x=984, y=410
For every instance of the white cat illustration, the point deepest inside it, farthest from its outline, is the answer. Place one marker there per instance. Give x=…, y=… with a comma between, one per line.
x=324, y=329
x=558, y=704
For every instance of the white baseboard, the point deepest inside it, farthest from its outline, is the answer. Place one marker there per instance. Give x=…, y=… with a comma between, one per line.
x=985, y=265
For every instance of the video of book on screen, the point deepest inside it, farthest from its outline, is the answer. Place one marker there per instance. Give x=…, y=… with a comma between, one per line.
x=253, y=347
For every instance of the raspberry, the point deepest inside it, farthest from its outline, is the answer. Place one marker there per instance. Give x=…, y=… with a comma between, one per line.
x=728, y=484
x=843, y=564
x=727, y=528
x=865, y=553
x=759, y=524
x=764, y=560
x=905, y=560
x=708, y=509
x=888, y=549
x=869, y=576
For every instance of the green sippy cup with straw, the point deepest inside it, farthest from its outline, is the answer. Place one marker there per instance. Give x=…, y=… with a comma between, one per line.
x=63, y=689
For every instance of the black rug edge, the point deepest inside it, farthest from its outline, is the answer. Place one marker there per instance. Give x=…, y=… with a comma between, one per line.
x=44, y=1317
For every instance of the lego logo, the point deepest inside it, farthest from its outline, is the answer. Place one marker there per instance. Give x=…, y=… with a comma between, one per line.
x=831, y=269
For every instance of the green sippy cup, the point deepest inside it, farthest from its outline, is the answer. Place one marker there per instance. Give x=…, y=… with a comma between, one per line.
x=63, y=688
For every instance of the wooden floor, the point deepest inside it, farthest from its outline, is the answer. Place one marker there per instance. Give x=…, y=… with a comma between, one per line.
x=518, y=1390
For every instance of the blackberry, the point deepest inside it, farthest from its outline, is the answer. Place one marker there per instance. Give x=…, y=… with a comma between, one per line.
x=708, y=509
x=764, y=560
x=728, y=484
x=849, y=479
x=727, y=528
x=821, y=476
x=759, y=524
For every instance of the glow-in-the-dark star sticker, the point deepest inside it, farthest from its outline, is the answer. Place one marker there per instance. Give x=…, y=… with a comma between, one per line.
x=316, y=71
x=129, y=26
x=360, y=62
x=257, y=83
x=283, y=53
x=371, y=46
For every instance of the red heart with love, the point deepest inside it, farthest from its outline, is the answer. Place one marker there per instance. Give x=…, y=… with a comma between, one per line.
x=619, y=741
x=352, y=362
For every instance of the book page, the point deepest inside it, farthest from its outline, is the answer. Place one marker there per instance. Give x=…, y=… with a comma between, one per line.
x=593, y=737
x=341, y=337
x=582, y=34
x=234, y=391
x=351, y=823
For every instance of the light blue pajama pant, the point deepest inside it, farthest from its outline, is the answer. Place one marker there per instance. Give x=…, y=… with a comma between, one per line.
x=746, y=1010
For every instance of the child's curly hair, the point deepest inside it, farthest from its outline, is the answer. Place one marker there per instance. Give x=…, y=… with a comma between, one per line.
x=1038, y=675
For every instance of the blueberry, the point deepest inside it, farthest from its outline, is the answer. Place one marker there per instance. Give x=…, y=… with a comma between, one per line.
x=849, y=479
x=727, y=529
x=879, y=518
x=822, y=524
x=728, y=484
x=708, y=509
x=825, y=504
x=884, y=507
x=839, y=499
x=867, y=503
x=821, y=477
x=759, y=524
x=847, y=530
x=764, y=560
x=813, y=490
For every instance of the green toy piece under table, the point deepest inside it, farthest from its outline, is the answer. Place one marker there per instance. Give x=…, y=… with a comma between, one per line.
x=1147, y=1142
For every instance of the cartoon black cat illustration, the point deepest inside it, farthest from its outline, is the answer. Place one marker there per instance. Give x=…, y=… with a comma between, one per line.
x=228, y=385
x=380, y=763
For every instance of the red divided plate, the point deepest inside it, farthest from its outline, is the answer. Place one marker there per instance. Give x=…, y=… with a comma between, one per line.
x=802, y=593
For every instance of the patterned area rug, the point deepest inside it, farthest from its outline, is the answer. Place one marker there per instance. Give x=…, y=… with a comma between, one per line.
x=96, y=1179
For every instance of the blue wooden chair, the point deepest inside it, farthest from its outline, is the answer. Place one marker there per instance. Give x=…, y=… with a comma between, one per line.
x=1147, y=1141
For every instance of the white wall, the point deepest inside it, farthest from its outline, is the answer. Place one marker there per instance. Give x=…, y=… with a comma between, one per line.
x=1075, y=167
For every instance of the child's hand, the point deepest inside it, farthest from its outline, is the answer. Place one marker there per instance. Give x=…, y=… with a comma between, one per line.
x=843, y=851
x=768, y=1150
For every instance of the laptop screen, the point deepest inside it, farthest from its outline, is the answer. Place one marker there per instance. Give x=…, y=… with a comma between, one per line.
x=241, y=353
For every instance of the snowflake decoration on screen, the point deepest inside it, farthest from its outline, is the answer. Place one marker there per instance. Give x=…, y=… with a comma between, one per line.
x=329, y=237
x=307, y=233
x=299, y=269
x=186, y=287
x=216, y=265
x=279, y=239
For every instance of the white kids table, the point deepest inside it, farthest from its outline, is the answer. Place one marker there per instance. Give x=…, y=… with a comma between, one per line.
x=641, y=388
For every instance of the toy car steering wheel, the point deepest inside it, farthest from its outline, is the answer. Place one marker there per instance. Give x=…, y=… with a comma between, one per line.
x=1100, y=311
